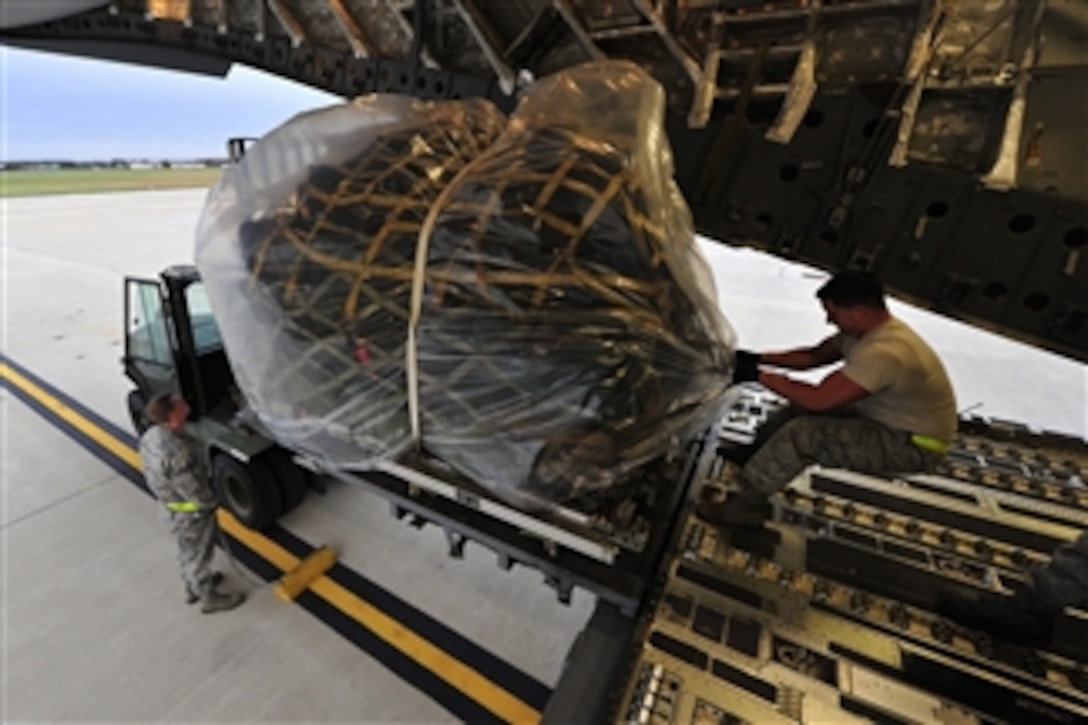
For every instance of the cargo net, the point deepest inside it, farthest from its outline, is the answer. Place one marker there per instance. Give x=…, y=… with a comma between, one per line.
x=336, y=264
x=528, y=307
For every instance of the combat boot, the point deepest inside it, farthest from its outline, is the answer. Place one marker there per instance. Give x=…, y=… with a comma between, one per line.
x=1022, y=618
x=192, y=596
x=216, y=601
x=735, y=512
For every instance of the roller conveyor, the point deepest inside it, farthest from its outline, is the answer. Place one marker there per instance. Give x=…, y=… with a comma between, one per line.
x=827, y=615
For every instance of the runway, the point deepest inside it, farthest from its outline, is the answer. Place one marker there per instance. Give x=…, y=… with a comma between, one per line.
x=94, y=625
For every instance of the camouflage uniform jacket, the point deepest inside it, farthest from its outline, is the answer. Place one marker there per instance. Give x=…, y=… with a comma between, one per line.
x=1064, y=581
x=174, y=469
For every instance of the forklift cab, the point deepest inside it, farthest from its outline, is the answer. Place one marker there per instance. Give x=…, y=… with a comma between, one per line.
x=172, y=344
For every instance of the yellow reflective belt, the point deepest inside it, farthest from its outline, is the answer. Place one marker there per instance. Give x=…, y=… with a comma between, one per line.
x=928, y=443
x=185, y=507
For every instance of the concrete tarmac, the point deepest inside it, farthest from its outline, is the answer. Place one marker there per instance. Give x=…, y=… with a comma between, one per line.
x=93, y=623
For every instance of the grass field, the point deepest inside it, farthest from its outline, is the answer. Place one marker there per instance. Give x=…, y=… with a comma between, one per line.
x=90, y=181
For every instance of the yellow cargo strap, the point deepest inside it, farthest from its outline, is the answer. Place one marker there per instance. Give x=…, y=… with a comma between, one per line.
x=928, y=443
x=183, y=507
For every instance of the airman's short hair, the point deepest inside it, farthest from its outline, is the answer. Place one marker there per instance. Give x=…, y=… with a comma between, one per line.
x=160, y=407
x=853, y=288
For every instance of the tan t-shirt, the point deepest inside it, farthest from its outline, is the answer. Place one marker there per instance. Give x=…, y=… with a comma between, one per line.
x=908, y=387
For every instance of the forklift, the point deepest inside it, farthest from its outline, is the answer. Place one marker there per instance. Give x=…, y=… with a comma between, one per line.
x=173, y=345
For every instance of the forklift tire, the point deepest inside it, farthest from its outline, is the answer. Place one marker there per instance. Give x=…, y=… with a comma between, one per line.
x=250, y=492
x=291, y=478
x=136, y=405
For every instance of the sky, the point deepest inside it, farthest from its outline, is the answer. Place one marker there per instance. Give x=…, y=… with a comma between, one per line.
x=56, y=107
x=60, y=107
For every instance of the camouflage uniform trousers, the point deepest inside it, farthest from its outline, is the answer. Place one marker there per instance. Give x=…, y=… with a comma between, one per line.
x=176, y=474
x=1063, y=582
x=793, y=440
x=196, y=535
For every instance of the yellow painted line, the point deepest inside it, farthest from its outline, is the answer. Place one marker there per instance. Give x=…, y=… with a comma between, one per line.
x=118, y=448
x=462, y=677
x=450, y=669
x=435, y=659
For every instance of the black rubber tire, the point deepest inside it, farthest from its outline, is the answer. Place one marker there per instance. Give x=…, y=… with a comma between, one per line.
x=250, y=492
x=291, y=478
x=136, y=405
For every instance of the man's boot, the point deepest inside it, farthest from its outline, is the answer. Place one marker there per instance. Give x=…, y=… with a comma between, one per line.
x=735, y=512
x=1022, y=618
x=215, y=601
x=192, y=596
x=736, y=453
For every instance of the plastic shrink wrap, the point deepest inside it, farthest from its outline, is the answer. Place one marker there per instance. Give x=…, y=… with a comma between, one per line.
x=306, y=249
x=523, y=301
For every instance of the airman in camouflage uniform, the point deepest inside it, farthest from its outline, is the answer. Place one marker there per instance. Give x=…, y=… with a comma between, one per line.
x=888, y=409
x=1063, y=582
x=176, y=474
x=1027, y=616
